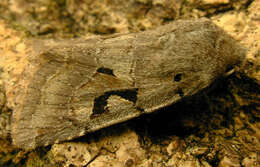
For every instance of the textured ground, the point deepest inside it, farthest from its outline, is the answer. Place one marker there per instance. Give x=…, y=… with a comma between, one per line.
x=220, y=128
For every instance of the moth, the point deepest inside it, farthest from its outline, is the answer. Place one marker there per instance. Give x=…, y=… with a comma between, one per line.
x=75, y=86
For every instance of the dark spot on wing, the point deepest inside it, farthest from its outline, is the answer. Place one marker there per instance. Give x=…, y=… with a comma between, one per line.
x=177, y=77
x=180, y=92
x=107, y=71
x=140, y=109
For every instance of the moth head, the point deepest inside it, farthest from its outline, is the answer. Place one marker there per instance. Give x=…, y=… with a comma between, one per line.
x=232, y=53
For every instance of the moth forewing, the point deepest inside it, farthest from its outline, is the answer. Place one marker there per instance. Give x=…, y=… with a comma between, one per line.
x=76, y=86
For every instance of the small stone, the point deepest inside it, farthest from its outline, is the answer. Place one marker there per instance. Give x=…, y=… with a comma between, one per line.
x=76, y=154
x=199, y=150
x=215, y=2
x=173, y=146
x=227, y=161
x=129, y=162
x=105, y=161
x=250, y=161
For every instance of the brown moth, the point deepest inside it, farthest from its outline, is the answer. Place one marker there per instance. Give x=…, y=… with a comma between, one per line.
x=76, y=86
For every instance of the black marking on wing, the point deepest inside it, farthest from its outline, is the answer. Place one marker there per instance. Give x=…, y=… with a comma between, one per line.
x=107, y=71
x=180, y=92
x=101, y=101
x=140, y=109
